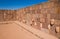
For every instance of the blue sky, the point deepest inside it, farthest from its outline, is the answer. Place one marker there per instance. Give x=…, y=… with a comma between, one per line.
x=16, y=4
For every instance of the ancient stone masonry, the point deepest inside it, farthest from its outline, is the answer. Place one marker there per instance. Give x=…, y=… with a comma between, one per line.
x=7, y=15
x=41, y=13
x=44, y=15
x=44, y=12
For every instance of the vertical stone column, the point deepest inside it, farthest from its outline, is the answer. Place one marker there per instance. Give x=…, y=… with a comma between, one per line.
x=48, y=19
x=49, y=28
x=41, y=26
x=4, y=16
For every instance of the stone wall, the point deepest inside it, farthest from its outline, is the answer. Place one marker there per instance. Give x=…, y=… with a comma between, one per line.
x=7, y=15
x=40, y=13
x=43, y=12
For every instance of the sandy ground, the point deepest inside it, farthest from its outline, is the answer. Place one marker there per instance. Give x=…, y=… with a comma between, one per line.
x=13, y=31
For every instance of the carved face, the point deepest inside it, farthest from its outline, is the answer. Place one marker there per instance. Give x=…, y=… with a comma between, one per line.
x=52, y=21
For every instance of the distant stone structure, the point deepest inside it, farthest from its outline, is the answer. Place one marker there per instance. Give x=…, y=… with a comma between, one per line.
x=36, y=15
x=7, y=15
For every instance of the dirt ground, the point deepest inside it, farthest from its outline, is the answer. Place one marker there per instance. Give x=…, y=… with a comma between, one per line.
x=13, y=31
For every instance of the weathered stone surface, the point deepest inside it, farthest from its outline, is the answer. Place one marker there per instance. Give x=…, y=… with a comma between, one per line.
x=7, y=15
x=36, y=14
